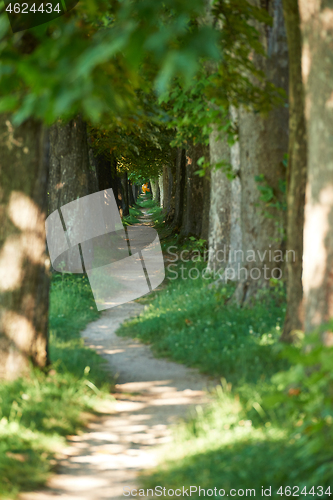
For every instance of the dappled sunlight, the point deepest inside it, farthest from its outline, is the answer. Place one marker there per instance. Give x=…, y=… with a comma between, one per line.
x=29, y=244
x=11, y=257
x=24, y=213
x=18, y=329
x=317, y=226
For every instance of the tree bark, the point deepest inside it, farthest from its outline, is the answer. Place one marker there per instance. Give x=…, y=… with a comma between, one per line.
x=24, y=275
x=206, y=207
x=166, y=190
x=194, y=203
x=263, y=141
x=171, y=190
x=161, y=188
x=220, y=197
x=155, y=189
x=296, y=173
x=130, y=194
x=124, y=183
x=317, y=70
x=180, y=182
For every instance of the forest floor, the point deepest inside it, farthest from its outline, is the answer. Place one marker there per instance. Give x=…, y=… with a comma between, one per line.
x=151, y=395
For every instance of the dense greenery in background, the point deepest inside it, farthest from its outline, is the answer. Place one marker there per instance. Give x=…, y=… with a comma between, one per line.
x=37, y=413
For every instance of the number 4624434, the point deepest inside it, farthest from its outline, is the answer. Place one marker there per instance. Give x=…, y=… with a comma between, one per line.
x=23, y=8
x=295, y=491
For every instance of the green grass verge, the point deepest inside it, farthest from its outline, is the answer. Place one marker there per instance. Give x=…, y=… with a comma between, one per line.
x=270, y=423
x=37, y=412
x=192, y=324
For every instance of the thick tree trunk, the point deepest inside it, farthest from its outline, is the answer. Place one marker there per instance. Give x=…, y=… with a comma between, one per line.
x=92, y=180
x=180, y=190
x=194, y=202
x=161, y=188
x=225, y=234
x=317, y=69
x=220, y=197
x=206, y=207
x=263, y=141
x=296, y=174
x=136, y=191
x=24, y=276
x=124, y=183
x=166, y=190
x=107, y=177
x=155, y=189
x=130, y=194
x=171, y=190
x=69, y=163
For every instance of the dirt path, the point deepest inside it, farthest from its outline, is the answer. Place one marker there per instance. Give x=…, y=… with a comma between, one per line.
x=151, y=395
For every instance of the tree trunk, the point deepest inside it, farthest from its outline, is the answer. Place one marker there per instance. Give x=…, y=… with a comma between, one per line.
x=24, y=276
x=69, y=163
x=194, y=189
x=317, y=70
x=130, y=194
x=220, y=196
x=124, y=183
x=171, y=190
x=155, y=189
x=166, y=192
x=263, y=141
x=296, y=174
x=92, y=180
x=161, y=187
x=107, y=175
x=206, y=207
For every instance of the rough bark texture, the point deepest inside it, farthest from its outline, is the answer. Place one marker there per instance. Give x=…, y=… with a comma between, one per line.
x=180, y=189
x=124, y=183
x=220, y=197
x=166, y=188
x=24, y=276
x=317, y=69
x=296, y=174
x=206, y=207
x=263, y=141
x=130, y=194
x=69, y=163
x=171, y=190
x=194, y=193
x=161, y=188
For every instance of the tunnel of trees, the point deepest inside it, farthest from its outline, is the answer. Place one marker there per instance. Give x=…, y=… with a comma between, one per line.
x=216, y=107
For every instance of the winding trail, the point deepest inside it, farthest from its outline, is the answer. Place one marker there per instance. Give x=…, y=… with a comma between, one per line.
x=151, y=396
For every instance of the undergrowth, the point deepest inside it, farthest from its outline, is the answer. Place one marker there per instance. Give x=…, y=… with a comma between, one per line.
x=38, y=411
x=268, y=430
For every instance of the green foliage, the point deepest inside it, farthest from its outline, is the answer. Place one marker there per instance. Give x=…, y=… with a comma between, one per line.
x=192, y=324
x=305, y=392
x=273, y=202
x=273, y=428
x=88, y=60
x=37, y=412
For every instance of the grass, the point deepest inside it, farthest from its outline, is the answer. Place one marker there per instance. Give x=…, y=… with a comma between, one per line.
x=269, y=426
x=192, y=324
x=38, y=412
